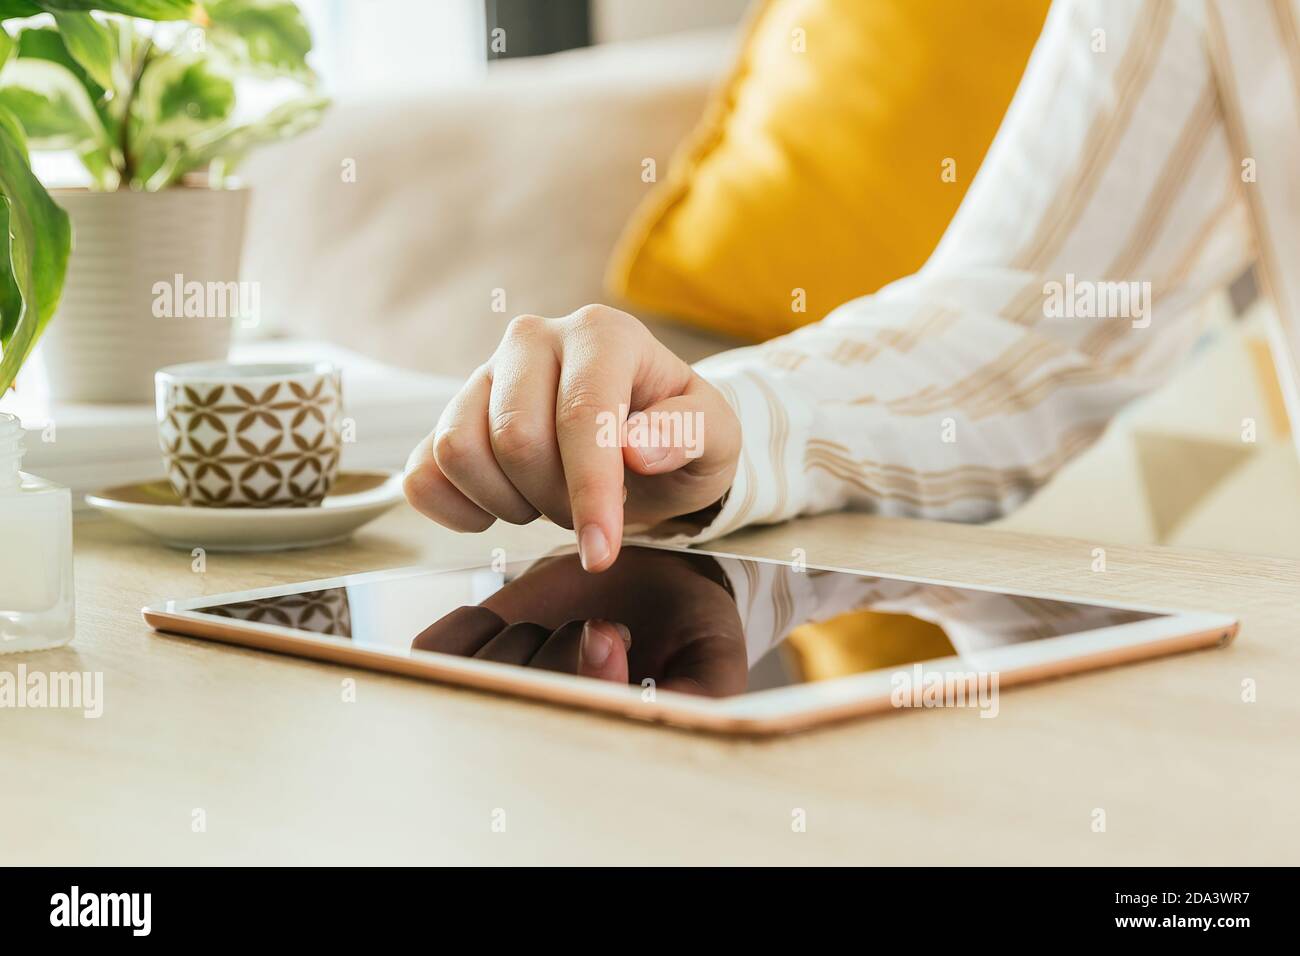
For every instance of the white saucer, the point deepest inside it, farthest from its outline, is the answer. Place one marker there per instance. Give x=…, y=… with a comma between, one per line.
x=357, y=497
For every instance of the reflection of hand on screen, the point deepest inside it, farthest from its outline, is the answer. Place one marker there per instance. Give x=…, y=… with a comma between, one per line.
x=661, y=615
x=590, y=648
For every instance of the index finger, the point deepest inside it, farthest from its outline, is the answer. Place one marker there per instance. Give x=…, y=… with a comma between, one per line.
x=590, y=408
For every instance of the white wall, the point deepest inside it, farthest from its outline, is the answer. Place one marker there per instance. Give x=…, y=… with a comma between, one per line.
x=614, y=20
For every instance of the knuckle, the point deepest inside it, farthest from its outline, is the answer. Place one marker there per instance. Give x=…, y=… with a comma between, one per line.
x=599, y=318
x=415, y=485
x=579, y=406
x=518, y=437
x=523, y=327
x=454, y=449
x=425, y=496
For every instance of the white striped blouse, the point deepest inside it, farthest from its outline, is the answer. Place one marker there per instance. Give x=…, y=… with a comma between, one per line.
x=1151, y=155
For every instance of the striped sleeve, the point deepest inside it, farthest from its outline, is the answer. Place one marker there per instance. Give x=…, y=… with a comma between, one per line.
x=1108, y=205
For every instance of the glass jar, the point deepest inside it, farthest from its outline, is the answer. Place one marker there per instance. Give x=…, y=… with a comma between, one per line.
x=36, y=598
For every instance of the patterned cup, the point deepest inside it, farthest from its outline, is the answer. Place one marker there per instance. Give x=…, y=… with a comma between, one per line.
x=250, y=436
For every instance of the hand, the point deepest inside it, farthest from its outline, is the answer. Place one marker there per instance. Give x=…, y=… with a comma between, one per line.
x=657, y=614
x=590, y=648
x=538, y=430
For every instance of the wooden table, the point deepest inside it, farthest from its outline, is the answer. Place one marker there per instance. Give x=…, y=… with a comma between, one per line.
x=286, y=772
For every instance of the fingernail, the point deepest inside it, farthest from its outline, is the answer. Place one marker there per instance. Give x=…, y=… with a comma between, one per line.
x=651, y=455
x=610, y=628
x=596, y=645
x=592, y=546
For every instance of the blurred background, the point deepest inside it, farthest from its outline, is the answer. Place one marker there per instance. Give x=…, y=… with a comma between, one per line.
x=485, y=158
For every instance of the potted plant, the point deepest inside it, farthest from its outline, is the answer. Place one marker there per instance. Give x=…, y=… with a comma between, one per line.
x=153, y=97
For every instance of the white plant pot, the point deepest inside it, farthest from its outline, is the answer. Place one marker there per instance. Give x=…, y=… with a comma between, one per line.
x=107, y=338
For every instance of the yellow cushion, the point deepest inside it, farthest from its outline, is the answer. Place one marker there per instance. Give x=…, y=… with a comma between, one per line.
x=818, y=166
x=865, y=641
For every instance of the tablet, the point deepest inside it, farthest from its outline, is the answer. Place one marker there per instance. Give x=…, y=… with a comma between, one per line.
x=695, y=639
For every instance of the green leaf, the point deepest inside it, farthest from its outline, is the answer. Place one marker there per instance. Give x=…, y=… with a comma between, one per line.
x=7, y=47
x=91, y=44
x=45, y=43
x=102, y=168
x=268, y=36
x=227, y=146
x=11, y=301
x=180, y=96
x=52, y=105
x=35, y=262
x=18, y=8
x=145, y=9
x=10, y=123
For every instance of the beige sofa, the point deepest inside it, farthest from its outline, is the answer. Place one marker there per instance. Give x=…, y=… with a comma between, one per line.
x=506, y=195
x=512, y=193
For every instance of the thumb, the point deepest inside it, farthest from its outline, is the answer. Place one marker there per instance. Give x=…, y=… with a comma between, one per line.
x=696, y=430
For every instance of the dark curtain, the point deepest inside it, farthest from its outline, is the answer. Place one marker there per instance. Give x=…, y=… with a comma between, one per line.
x=533, y=27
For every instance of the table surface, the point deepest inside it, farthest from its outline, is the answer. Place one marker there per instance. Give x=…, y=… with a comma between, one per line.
x=285, y=771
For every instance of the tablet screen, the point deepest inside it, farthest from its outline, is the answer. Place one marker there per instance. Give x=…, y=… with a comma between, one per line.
x=686, y=621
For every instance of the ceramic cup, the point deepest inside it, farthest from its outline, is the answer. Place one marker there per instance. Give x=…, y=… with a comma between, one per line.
x=250, y=436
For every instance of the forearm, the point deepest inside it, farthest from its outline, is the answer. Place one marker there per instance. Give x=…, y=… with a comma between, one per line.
x=1108, y=205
